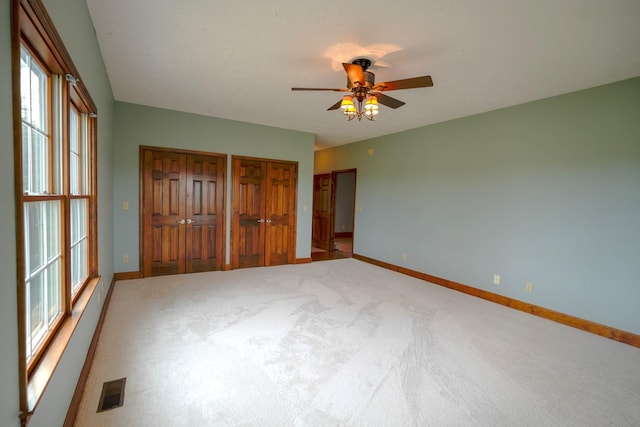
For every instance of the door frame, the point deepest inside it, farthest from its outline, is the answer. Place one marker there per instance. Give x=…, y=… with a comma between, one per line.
x=334, y=186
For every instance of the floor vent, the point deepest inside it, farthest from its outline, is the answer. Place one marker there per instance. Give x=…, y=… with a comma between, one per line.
x=112, y=395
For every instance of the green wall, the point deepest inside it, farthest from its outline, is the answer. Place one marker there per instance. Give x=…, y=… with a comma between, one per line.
x=9, y=397
x=73, y=22
x=547, y=192
x=137, y=125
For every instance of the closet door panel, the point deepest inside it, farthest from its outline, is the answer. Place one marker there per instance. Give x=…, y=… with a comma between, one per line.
x=204, y=213
x=248, y=213
x=163, y=207
x=280, y=224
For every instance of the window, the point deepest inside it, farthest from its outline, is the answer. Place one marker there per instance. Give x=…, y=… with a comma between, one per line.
x=42, y=213
x=34, y=94
x=78, y=179
x=56, y=204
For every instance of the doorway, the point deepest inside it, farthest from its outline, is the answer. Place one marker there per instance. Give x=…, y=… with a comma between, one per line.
x=333, y=215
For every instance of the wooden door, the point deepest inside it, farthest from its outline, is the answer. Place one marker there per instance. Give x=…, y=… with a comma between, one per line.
x=182, y=212
x=280, y=213
x=248, y=213
x=204, y=213
x=263, y=228
x=163, y=208
x=322, y=236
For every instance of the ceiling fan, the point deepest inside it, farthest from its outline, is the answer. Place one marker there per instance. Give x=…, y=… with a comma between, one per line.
x=366, y=93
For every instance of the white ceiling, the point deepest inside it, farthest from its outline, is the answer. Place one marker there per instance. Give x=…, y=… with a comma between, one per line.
x=239, y=59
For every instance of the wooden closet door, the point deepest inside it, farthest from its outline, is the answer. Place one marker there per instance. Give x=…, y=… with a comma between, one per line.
x=182, y=212
x=248, y=213
x=163, y=209
x=280, y=213
x=263, y=230
x=204, y=213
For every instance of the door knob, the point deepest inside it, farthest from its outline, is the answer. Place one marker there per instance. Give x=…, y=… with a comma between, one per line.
x=180, y=221
x=261, y=220
x=189, y=221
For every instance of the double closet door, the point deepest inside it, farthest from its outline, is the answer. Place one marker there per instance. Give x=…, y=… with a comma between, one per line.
x=264, y=212
x=182, y=209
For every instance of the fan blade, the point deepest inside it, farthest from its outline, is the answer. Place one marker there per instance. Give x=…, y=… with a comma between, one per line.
x=354, y=73
x=335, y=106
x=322, y=88
x=415, y=82
x=388, y=101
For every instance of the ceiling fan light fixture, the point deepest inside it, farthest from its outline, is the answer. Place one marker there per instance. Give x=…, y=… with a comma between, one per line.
x=348, y=107
x=371, y=106
x=347, y=102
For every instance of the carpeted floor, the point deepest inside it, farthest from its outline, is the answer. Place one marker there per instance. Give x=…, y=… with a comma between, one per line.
x=347, y=343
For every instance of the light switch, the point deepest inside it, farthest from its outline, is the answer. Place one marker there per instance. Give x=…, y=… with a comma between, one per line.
x=125, y=206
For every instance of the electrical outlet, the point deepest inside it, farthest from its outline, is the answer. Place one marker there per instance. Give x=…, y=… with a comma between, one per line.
x=496, y=279
x=125, y=259
x=528, y=287
x=404, y=257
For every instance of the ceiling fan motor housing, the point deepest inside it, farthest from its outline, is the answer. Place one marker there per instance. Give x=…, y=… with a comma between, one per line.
x=369, y=80
x=369, y=77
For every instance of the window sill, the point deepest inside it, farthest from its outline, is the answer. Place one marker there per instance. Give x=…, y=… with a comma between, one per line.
x=43, y=372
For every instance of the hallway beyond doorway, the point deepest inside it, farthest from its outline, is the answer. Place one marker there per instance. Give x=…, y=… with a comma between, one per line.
x=343, y=249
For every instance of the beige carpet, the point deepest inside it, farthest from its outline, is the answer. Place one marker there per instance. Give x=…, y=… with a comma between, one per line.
x=342, y=342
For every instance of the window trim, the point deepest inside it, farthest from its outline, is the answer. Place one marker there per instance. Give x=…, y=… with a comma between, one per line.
x=32, y=28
